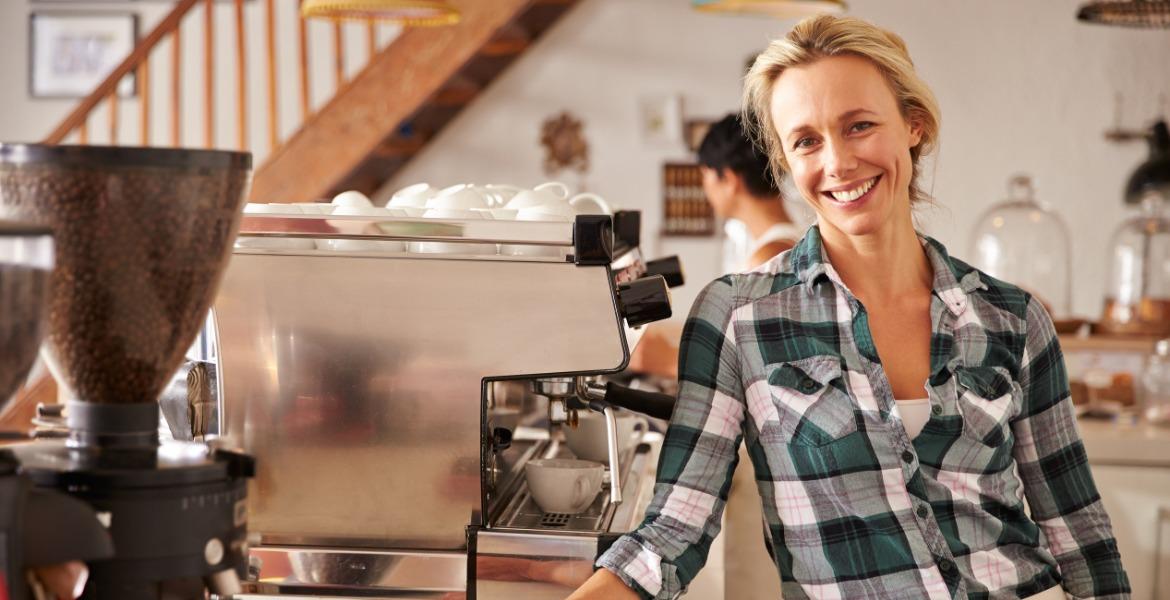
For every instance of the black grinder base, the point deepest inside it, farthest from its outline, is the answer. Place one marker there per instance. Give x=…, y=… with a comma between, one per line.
x=175, y=512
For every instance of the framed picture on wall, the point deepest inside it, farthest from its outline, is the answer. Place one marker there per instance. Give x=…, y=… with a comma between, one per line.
x=70, y=53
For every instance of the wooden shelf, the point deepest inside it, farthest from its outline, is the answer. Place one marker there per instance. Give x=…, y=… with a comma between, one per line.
x=1106, y=343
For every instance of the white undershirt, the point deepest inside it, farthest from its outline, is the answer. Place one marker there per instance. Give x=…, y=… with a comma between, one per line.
x=915, y=414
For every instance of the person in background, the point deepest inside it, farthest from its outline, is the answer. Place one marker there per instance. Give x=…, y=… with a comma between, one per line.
x=907, y=416
x=741, y=189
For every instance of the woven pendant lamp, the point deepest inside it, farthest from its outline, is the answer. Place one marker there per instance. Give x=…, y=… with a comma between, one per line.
x=781, y=9
x=1127, y=13
x=410, y=13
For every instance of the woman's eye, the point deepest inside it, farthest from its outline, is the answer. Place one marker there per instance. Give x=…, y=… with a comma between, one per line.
x=804, y=142
x=861, y=126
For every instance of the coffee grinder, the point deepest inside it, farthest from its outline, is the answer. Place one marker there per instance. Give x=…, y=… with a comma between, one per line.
x=142, y=237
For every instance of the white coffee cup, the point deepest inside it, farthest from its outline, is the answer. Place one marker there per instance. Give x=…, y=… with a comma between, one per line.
x=351, y=198
x=412, y=199
x=271, y=243
x=364, y=245
x=588, y=440
x=563, y=485
x=588, y=203
x=464, y=198
x=452, y=247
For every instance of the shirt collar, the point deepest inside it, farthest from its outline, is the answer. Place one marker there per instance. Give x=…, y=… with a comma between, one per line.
x=953, y=279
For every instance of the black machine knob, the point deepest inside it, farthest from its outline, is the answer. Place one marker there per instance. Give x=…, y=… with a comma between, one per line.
x=669, y=268
x=644, y=300
x=501, y=438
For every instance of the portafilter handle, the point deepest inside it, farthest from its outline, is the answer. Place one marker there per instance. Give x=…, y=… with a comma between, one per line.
x=603, y=398
x=653, y=404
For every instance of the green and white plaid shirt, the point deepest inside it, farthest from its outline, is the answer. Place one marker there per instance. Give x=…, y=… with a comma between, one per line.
x=781, y=357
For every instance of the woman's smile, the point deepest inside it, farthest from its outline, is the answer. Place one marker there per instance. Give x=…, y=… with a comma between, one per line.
x=853, y=194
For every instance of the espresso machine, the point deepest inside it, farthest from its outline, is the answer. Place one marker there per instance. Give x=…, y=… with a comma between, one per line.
x=392, y=393
x=141, y=238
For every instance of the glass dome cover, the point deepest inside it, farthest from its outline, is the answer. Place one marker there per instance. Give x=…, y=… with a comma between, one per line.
x=1025, y=243
x=1137, y=300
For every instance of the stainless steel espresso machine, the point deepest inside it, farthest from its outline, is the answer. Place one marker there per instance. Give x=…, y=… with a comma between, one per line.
x=393, y=391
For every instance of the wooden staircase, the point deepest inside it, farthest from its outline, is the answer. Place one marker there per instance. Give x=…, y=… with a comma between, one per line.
x=406, y=95
x=374, y=124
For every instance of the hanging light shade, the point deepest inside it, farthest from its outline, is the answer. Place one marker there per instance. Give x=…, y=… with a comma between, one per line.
x=781, y=9
x=412, y=13
x=1127, y=13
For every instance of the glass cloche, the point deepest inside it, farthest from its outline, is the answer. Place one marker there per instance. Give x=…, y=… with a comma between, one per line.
x=1025, y=243
x=1137, y=300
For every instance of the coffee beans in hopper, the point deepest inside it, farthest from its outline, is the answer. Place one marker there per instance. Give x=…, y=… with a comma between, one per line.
x=140, y=251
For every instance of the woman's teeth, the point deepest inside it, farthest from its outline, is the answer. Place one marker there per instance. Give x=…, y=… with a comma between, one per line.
x=855, y=193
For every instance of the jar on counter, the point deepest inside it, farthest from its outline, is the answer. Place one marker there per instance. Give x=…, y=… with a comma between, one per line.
x=1154, y=385
x=1138, y=300
x=1024, y=242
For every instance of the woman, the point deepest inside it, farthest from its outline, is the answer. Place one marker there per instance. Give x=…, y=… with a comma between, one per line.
x=898, y=405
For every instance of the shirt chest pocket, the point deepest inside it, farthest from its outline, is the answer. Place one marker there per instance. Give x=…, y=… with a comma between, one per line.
x=811, y=405
x=987, y=400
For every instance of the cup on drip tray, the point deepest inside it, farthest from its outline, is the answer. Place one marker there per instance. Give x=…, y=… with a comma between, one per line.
x=563, y=485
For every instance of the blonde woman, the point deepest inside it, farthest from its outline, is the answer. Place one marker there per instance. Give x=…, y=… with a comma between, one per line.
x=898, y=405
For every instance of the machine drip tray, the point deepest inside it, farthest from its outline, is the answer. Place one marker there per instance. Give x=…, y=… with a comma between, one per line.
x=523, y=513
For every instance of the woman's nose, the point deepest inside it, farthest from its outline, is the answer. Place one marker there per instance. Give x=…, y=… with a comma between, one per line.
x=839, y=159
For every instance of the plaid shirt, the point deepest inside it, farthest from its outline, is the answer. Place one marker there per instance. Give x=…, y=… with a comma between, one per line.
x=782, y=358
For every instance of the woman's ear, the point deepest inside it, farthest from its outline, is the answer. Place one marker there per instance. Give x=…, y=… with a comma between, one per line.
x=915, y=132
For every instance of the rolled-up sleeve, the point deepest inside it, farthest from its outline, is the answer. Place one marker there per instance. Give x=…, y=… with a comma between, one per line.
x=698, y=457
x=1055, y=471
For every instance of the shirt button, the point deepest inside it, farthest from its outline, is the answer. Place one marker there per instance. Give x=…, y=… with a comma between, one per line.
x=936, y=409
x=923, y=512
x=946, y=565
x=808, y=386
x=908, y=456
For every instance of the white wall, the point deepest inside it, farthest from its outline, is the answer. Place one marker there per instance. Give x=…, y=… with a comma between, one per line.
x=1023, y=87
x=27, y=119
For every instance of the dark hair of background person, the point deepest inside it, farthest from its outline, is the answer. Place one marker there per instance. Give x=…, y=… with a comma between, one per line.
x=727, y=146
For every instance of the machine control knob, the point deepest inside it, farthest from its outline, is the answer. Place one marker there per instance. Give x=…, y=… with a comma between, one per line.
x=644, y=300
x=670, y=268
x=501, y=438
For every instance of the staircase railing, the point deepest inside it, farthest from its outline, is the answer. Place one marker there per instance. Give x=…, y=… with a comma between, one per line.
x=76, y=127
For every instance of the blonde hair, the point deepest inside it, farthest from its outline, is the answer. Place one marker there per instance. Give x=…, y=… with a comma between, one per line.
x=822, y=36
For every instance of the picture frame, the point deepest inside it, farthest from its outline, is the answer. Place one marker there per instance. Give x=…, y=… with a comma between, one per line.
x=660, y=120
x=71, y=52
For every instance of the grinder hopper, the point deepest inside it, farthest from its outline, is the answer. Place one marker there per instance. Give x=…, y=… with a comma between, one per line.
x=142, y=237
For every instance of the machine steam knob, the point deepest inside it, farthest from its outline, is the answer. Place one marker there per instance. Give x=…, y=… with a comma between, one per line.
x=501, y=438
x=644, y=300
x=670, y=268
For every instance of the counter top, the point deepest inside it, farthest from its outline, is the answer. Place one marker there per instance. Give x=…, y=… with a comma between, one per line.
x=1141, y=444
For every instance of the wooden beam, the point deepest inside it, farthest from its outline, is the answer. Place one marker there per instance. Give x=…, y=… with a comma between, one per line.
x=510, y=39
x=396, y=83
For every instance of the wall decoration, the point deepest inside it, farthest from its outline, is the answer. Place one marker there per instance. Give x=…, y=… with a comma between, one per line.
x=685, y=210
x=563, y=139
x=70, y=53
x=660, y=120
x=695, y=130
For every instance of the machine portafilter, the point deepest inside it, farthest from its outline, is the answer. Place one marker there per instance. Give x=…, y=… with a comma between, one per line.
x=142, y=237
x=567, y=395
